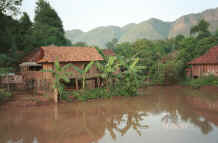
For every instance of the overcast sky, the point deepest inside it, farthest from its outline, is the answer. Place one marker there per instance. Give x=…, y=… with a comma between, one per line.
x=89, y=14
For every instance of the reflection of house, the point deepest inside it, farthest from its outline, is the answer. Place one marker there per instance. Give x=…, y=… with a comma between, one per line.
x=46, y=56
x=206, y=64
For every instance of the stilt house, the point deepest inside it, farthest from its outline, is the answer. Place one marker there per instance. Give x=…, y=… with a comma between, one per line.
x=78, y=56
x=206, y=64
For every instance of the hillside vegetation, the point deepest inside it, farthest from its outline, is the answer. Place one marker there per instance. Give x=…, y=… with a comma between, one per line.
x=152, y=29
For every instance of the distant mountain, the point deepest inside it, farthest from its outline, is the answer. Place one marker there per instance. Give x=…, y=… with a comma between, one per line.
x=184, y=23
x=152, y=29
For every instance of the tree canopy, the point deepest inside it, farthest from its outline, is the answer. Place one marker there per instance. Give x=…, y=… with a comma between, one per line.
x=48, y=27
x=201, y=29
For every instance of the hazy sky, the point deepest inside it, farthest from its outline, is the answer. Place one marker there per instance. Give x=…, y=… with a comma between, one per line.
x=89, y=14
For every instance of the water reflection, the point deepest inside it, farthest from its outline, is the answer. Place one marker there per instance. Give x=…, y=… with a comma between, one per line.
x=116, y=118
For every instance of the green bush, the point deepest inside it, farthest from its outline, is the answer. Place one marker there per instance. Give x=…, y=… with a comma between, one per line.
x=4, y=95
x=203, y=81
x=88, y=94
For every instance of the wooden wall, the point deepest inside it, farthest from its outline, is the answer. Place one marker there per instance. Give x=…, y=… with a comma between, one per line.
x=92, y=72
x=204, y=70
x=40, y=77
x=47, y=67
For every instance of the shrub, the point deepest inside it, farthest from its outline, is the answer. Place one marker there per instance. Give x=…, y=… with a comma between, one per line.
x=203, y=81
x=87, y=94
x=4, y=95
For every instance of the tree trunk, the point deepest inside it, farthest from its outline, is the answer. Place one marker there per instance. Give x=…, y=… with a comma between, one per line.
x=55, y=95
x=77, y=84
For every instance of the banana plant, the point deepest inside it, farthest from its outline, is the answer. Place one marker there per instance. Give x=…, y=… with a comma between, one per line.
x=83, y=72
x=130, y=77
x=60, y=73
x=108, y=69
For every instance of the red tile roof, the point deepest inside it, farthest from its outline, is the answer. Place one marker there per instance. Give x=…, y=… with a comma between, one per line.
x=108, y=52
x=211, y=57
x=34, y=56
x=69, y=54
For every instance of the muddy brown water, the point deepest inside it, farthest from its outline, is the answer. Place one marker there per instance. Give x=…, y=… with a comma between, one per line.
x=162, y=115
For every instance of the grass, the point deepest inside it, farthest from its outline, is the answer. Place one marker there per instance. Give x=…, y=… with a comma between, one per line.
x=202, y=81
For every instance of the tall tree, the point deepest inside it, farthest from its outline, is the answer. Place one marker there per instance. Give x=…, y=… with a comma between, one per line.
x=112, y=44
x=201, y=29
x=48, y=27
x=24, y=32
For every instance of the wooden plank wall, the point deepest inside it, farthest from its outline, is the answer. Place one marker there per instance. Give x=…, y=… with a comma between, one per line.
x=204, y=70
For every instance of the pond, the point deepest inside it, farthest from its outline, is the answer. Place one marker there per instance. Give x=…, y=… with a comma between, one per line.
x=162, y=115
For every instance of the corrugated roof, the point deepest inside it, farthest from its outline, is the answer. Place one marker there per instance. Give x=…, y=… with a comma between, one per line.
x=69, y=54
x=211, y=57
x=30, y=64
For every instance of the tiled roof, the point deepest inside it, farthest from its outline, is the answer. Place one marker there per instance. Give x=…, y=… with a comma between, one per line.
x=69, y=54
x=211, y=57
x=108, y=52
x=34, y=56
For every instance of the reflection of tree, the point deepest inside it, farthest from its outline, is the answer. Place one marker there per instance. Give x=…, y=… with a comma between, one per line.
x=205, y=126
x=171, y=119
x=180, y=111
x=89, y=121
x=133, y=121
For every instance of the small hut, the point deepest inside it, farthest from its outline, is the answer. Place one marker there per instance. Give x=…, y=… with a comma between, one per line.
x=206, y=64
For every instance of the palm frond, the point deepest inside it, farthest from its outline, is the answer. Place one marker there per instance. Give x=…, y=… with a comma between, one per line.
x=89, y=66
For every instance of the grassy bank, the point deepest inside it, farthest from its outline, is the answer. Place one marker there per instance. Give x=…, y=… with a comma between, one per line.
x=202, y=81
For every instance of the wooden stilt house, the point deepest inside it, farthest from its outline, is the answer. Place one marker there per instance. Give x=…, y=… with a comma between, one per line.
x=78, y=56
x=206, y=64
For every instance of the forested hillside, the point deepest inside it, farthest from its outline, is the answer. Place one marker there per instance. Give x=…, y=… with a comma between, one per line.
x=152, y=29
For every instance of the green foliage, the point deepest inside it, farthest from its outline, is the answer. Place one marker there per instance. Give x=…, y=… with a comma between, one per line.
x=166, y=73
x=4, y=95
x=107, y=70
x=15, y=39
x=112, y=44
x=152, y=29
x=130, y=79
x=83, y=72
x=48, y=27
x=88, y=94
x=61, y=74
x=4, y=71
x=202, y=29
x=203, y=81
x=80, y=44
x=24, y=34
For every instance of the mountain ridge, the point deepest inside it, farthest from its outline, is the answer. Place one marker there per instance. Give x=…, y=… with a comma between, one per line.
x=152, y=29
